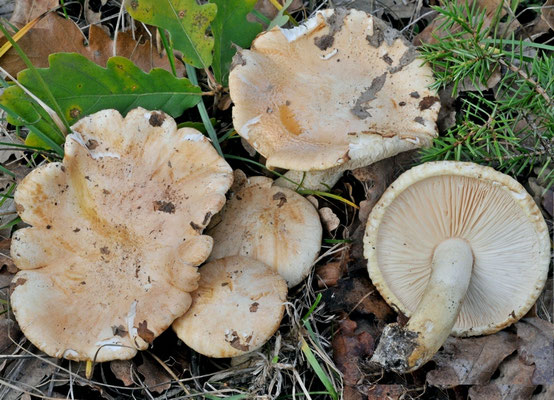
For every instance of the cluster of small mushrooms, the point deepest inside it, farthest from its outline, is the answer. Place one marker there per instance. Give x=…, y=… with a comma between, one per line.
x=117, y=229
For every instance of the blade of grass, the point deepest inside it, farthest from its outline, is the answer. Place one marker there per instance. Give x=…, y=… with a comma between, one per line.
x=234, y=397
x=55, y=147
x=336, y=241
x=519, y=43
x=228, y=135
x=312, y=308
x=7, y=171
x=11, y=223
x=191, y=73
x=261, y=17
x=169, y=50
x=299, y=191
x=8, y=194
x=64, y=10
x=318, y=370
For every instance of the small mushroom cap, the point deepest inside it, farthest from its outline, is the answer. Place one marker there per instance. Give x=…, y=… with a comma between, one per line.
x=491, y=211
x=238, y=306
x=342, y=87
x=272, y=224
x=111, y=256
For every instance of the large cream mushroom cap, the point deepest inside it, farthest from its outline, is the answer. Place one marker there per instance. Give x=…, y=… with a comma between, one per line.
x=110, y=259
x=238, y=306
x=341, y=88
x=274, y=225
x=490, y=211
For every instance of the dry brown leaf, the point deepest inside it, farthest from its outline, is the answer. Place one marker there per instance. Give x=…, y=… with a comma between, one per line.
x=9, y=332
x=447, y=113
x=123, y=370
x=330, y=273
x=350, y=347
x=468, y=86
x=156, y=378
x=5, y=258
x=27, y=10
x=513, y=383
x=535, y=343
x=329, y=218
x=470, y=361
x=352, y=393
x=543, y=197
x=375, y=178
x=431, y=30
x=30, y=374
x=547, y=13
x=360, y=295
x=239, y=180
x=386, y=392
x=56, y=34
x=365, y=209
x=6, y=153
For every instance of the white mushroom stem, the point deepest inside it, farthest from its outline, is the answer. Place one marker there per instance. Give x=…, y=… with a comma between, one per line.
x=312, y=180
x=404, y=349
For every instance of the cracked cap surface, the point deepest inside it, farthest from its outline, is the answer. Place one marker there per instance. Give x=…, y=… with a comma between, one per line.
x=342, y=87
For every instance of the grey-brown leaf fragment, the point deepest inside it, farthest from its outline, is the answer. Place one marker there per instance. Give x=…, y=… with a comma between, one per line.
x=470, y=361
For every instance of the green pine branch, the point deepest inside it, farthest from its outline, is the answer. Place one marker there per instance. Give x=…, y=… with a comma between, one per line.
x=512, y=131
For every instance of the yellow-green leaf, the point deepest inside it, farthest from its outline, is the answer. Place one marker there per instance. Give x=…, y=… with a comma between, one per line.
x=186, y=22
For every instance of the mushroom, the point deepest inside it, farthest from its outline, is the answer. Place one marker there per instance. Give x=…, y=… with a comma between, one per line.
x=110, y=259
x=457, y=247
x=339, y=92
x=237, y=307
x=274, y=225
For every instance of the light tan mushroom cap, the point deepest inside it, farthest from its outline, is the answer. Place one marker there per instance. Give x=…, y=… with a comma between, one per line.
x=274, y=225
x=238, y=306
x=342, y=86
x=491, y=211
x=111, y=256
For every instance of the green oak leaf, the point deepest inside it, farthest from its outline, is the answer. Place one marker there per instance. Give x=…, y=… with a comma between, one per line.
x=231, y=27
x=186, y=22
x=22, y=110
x=82, y=87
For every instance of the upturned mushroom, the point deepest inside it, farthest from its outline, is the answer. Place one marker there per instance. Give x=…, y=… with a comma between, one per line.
x=457, y=247
x=272, y=224
x=339, y=92
x=110, y=259
x=237, y=307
